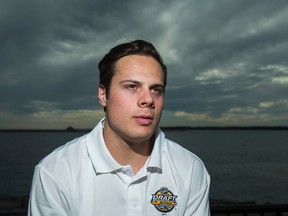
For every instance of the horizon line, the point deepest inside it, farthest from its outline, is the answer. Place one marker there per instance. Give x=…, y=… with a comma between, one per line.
x=71, y=129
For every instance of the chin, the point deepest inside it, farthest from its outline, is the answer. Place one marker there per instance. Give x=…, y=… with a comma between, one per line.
x=143, y=135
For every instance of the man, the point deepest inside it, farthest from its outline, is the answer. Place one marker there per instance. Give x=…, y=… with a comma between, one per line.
x=125, y=165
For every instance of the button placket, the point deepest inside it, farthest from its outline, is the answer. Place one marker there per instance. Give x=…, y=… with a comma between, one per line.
x=134, y=200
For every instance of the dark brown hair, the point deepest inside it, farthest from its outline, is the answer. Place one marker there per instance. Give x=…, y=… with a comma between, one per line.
x=138, y=47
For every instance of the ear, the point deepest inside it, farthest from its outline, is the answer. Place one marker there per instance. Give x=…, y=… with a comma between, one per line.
x=102, y=95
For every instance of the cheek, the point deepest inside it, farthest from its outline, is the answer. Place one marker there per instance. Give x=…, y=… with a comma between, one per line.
x=159, y=104
x=120, y=102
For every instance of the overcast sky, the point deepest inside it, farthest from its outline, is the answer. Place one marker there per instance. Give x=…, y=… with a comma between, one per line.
x=227, y=60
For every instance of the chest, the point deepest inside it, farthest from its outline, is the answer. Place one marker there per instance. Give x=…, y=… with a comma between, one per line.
x=117, y=194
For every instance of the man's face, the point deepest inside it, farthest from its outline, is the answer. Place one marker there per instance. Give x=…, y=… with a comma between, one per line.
x=136, y=97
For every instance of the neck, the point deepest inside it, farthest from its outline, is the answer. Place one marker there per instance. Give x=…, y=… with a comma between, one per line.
x=130, y=153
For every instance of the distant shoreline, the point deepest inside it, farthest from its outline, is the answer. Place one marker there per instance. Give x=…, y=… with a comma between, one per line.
x=71, y=129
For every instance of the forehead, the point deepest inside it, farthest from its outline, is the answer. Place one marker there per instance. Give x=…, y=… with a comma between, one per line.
x=139, y=65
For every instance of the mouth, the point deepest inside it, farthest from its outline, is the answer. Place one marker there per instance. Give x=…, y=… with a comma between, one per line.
x=144, y=119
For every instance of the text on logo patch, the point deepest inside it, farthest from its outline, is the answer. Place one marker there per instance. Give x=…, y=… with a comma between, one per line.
x=164, y=200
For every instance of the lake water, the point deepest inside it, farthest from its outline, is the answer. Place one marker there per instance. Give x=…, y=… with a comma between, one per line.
x=244, y=165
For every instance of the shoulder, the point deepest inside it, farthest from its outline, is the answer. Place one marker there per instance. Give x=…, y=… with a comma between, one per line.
x=59, y=168
x=183, y=160
x=187, y=166
x=179, y=153
x=66, y=155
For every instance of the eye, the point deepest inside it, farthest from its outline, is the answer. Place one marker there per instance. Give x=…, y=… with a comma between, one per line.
x=131, y=86
x=158, y=91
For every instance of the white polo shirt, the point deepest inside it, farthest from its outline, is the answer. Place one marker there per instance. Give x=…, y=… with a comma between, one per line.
x=82, y=178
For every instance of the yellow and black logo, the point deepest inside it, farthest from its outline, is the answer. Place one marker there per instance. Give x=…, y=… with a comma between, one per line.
x=164, y=200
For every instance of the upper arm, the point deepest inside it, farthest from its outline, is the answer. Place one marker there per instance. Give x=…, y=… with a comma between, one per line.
x=47, y=196
x=198, y=199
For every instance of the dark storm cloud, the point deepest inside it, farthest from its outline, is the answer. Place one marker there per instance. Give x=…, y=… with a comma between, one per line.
x=226, y=48
x=33, y=32
x=224, y=58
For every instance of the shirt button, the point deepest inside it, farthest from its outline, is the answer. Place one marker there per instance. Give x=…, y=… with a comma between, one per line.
x=134, y=204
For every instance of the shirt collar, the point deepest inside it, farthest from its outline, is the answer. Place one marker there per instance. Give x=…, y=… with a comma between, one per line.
x=101, y=158
x=154, y=164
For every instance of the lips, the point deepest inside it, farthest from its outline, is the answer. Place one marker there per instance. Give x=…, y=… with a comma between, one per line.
x=144, y=119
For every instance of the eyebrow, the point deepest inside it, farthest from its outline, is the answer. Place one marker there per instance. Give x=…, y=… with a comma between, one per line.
x=140, y=83
x=132, y=81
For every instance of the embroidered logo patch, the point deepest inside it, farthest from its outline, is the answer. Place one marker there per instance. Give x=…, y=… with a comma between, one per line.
x=164, y=200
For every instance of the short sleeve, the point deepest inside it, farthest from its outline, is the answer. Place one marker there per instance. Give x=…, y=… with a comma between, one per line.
x=47, y=196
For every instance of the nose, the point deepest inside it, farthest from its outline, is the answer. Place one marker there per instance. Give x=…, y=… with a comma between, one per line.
x=146, y=100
